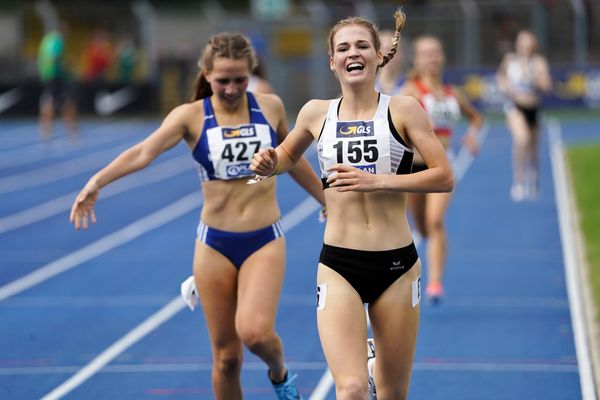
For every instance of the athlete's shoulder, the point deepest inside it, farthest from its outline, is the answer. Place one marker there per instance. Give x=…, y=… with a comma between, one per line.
x=404, y=102
x=187, y=112
x=312, y=114
x=268, y=100
x=316, y=106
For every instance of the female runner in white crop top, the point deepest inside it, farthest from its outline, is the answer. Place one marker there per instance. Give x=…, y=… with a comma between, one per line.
x=367, y=225
x=523, y=76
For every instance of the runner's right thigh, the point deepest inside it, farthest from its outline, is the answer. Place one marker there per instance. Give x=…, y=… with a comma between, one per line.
x=342, y=326
x=518, y=127
x=216, y=280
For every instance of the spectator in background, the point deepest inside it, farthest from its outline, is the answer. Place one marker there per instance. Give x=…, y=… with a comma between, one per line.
x=523, y=75
x=57, y=88
x=184, y=60
x=98, y=56
x=126, y=59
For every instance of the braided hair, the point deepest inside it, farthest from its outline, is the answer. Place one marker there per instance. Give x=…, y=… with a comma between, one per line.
x=400, y=18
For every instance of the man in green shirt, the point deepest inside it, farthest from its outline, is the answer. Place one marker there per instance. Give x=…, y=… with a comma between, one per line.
x=56, y=91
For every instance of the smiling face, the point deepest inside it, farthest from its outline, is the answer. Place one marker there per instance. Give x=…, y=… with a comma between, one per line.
x=354, y=58
x=228, y=80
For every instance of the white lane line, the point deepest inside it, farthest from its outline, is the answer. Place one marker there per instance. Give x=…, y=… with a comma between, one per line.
x=109, y=242
x=308, y=206
x=44, y=175
x=290, y=220
x=463, y=160
x=95, y=136
x=296, y=366
x=323, y=386
x=567, y=225
x=136, y=334
x=460, y=164
x=301, y=300
x=17, y=136
x=55, y=206
x=83, y=301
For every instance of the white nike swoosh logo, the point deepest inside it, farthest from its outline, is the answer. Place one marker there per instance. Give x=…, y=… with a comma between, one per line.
x=9, y=99
x=107, y=103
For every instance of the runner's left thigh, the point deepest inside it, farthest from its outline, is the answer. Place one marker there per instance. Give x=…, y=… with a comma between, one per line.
x=394, y=320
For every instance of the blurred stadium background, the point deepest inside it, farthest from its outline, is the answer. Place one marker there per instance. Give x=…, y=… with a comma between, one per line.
x=290, y=38
x=167, y=36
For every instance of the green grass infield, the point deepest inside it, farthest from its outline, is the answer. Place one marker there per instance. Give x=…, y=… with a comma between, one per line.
x=584, y=161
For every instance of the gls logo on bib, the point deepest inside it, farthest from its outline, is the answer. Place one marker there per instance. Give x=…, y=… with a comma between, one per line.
x=354, y=129
x=239, y=132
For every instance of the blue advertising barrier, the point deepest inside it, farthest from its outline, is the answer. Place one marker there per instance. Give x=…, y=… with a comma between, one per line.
x=572, y=87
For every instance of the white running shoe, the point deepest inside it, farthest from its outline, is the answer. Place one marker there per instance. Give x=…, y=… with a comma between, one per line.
x=189, y=293
x=517, y=192
x=370, y=362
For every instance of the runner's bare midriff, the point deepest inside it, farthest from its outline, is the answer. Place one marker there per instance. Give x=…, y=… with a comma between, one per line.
x=367, y=221
x=236, y=206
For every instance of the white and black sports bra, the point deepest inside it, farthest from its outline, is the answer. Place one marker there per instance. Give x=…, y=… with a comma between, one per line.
x=373, y=146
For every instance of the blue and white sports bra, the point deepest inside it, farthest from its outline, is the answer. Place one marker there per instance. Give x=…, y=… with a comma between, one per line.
x=225, y=152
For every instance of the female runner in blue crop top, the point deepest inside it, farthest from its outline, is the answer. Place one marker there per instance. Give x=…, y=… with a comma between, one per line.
x=239, y=257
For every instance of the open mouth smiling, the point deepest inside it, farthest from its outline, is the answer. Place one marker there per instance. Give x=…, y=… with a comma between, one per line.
x=355, y=66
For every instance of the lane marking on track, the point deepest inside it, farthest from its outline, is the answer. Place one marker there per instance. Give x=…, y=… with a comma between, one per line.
x=109, y=242
x=301, y=300
x=152, y=174
x=517, y=366
x=63, y=146
x=289, y=221
x=56, y=172
x=567, y=225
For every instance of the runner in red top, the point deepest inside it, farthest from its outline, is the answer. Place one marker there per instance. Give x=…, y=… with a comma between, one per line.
x=444, y=105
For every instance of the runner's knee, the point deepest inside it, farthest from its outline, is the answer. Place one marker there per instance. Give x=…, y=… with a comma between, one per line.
x=351, y=388
x=255, y=336
x=227, y=364
x=435, y=224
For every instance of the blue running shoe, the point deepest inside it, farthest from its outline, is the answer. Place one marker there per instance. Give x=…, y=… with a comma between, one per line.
x=287, y=390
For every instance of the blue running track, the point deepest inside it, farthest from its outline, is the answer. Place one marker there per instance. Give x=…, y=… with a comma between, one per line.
x=96, y=314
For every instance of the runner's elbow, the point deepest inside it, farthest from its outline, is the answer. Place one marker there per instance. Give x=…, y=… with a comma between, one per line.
x=447, y=182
